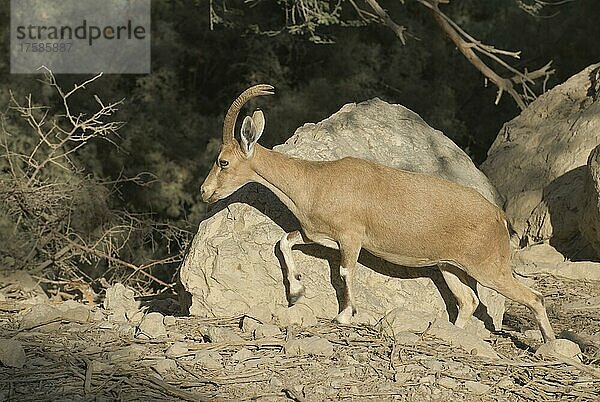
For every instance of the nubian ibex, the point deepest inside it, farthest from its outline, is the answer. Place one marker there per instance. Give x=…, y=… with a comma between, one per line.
x=409, y=219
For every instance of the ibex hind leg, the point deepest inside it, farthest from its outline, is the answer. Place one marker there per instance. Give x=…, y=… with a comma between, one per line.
x=466, y=299
x=507, y=285
x=349, y=251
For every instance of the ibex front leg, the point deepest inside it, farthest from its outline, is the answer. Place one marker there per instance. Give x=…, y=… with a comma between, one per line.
x=349, y=250
x=296, y=288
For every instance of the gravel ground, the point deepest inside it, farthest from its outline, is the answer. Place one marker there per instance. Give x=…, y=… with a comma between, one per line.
x=71, y=351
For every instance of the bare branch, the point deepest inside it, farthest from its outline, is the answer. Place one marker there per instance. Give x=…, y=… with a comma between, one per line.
x=385, y=18
x=58, y=142
x=468, y=45
x=362, y=14
x=117, y=261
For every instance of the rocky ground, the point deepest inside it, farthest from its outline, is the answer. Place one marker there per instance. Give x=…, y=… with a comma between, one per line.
x=119, y=349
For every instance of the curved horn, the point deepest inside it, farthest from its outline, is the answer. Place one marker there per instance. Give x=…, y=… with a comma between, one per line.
x=234, y=109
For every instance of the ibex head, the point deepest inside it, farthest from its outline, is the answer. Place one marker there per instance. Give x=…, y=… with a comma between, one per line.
x=232, y=168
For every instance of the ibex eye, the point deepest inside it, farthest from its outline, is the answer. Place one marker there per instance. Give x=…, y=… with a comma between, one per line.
x=223, y=164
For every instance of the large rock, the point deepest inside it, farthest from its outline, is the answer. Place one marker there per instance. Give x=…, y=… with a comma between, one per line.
x=543, y=259
x=538, y=163
x=233, y=265
x=589, y=218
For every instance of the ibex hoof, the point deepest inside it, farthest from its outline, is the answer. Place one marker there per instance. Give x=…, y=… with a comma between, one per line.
x=296, y=294
x=345, y=316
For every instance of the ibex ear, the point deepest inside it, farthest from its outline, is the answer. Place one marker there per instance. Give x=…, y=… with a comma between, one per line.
x=259, y=122
x=252, y=129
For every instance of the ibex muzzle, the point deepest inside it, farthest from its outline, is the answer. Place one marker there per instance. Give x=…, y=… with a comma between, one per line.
x=407, y=218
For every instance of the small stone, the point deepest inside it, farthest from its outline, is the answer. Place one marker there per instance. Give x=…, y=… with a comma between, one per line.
x=448, y=382
x=242, y=355
x=262, y=314
x=401, y=378
x=152, y=326
x=559, y=348
x=209, y=359
x=169, y=320
x=366, y=317
x=299, y=389
x=249, y=324
x=74, y=312
x=505, y=383
x=176, y=336
x=460, y=370
x=313, y=345
x=443, y=329
x=423, y=392
x=349, y=360
x=165, y=366
x=411, y=368
x=401, y=321
x=120, y=299
x=136, y=318
x=433, y=365
x=276, y=382
x=12, y=353
x=38, y=315
x=534, y=334
x=97, y=315
x=222, y=334
x=117, y=317
x=477, y=327
x=476, y=388
x=92, y=349
x=334, y=371
x=266, y=331
x=177, y=350
x=406, y=338
x=539, y=254
x=299, y=314
x=125, y=328
x=320, y=391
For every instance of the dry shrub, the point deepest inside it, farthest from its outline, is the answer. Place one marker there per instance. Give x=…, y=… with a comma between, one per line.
x=56, y=220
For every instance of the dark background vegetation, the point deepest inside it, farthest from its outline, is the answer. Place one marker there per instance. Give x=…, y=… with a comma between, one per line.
x=173, y=115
